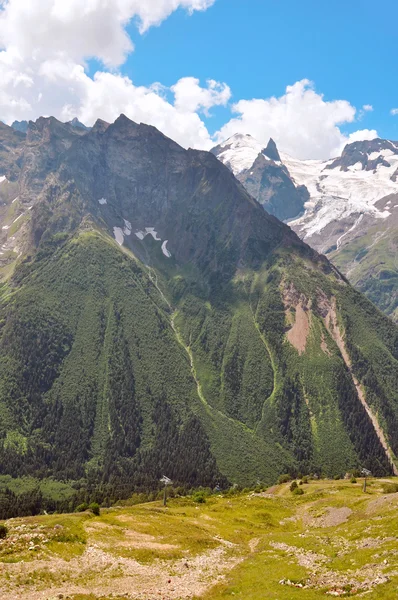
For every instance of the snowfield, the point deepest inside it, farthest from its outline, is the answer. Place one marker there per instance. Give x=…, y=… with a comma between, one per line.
x=335, y=194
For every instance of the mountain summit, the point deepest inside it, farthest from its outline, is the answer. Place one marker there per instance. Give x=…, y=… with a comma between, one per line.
x=155, y=319
x=263, y=175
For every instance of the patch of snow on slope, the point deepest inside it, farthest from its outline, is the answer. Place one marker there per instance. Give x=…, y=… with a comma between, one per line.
x=240, y=153
x=356, y=167
x=127, y=227
x=6, y=227
x=164, y=249
x=15, y=199
x=102, y=201
x=385, y=153
x=118, y=233
x=148, y=231
x=15, y=220
x=151, y=231
x=3, y=178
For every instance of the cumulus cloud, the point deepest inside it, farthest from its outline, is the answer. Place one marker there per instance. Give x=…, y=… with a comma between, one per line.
x=42, y=66
x=394, y=112
x=190, y=97
x=45, y=45
x=362, y=134
x=81, y=29
x=302, y=122
x=107, y=95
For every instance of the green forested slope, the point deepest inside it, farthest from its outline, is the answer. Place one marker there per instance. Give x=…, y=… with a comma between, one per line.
x=239, y=356
x=102, y=387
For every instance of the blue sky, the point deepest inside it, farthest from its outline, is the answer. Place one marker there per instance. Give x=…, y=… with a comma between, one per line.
x=347, y=48
x=314, y=75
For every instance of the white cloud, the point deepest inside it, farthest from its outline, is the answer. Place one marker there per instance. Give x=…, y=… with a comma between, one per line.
x=45, y=44
x=365, y=109
x=81, y=29
x=361, y=134
x=189, y=96
x=107, y=95
x=394, y=112
x=301, y=121
x=42, y=66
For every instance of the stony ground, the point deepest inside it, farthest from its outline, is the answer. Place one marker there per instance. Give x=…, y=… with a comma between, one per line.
x=334, y=541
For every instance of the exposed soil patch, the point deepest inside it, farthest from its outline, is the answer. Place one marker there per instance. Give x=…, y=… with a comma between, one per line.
x=388, y=501
x=298, y=333
x=131, y=539
x=100, y=573
x=331, y=518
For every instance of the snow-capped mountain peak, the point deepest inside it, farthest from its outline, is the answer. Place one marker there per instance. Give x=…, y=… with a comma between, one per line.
x=238, y=152
x=261, y=171
x=339, y=189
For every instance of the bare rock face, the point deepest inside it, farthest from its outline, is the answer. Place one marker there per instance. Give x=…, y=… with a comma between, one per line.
x=131, y=178
x=271, y=151
x=360, y=153
x=21, y=126
x=264, y=176
x=271, y=184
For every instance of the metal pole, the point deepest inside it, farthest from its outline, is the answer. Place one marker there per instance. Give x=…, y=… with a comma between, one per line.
x=164, y=496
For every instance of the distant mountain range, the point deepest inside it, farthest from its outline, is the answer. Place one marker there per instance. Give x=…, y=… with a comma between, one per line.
x=346, y=208
x=155, y=320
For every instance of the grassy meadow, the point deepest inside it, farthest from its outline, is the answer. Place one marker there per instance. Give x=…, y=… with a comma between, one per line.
x=332, y=541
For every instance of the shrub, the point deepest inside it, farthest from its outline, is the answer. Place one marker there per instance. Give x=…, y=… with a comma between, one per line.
x=95, y=509
x=353, y=480
x=293, y=486
x=3, y=532
x=305, y=479
x=284, y=478
x=298, y=491
x=390, y=488
x=199, y=497
x=81, y=507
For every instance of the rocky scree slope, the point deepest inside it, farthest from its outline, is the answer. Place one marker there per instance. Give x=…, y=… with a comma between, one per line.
x=156, y=320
